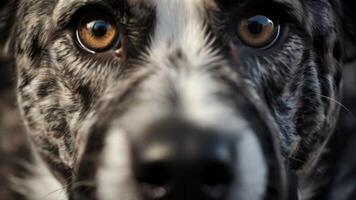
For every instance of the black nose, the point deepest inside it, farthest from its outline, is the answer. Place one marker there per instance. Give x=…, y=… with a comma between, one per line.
x=175, y=161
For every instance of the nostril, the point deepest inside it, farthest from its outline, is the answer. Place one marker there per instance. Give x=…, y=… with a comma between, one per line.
x=215, y=178
x=216, y=173
x=154, y=179
x=155, y=174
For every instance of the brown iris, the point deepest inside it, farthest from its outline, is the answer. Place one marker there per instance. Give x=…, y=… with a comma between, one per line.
x=258, y=31
x=97, y=33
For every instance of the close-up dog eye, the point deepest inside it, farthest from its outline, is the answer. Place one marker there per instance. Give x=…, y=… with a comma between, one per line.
x=98, y=33
x=258, y=31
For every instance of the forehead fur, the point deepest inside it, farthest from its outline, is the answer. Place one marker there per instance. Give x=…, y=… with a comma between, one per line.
x=60, y=11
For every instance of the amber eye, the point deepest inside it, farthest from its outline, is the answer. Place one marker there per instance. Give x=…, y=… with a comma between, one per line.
x=258, y=31
x=97, y=33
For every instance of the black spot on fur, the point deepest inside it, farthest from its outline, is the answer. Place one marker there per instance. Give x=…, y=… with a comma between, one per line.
x=35, y=48
x=47, y=88
x=86, y=96
x=338, y=51
x=26, y=79
x=61, y=128
x=338, y=76
x=49, y=147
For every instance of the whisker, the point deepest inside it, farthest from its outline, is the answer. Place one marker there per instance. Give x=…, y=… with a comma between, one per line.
x=60, y=192
x=295, y=159
x=63, y=189
x=339, y=104
x=89, y=183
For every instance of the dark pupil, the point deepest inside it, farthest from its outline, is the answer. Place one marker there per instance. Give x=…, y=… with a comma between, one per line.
x=257, y=23
x=100, y=28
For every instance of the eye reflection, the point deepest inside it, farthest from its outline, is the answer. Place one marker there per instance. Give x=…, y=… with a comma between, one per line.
x=97, y=33
x=258, y=31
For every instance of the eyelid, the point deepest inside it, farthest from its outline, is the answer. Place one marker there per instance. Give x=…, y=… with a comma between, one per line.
x=273, y=9
x=65, y=15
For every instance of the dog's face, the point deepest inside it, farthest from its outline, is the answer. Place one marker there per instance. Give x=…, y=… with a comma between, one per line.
x=177, y=99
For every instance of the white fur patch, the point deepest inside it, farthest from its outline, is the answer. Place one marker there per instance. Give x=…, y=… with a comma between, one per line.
x=114, y=175
x=180, y=26
x=41, y=185
x=202, y=106
x=251, y=169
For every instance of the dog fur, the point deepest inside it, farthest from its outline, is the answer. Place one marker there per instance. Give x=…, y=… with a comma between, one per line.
x=80, y=108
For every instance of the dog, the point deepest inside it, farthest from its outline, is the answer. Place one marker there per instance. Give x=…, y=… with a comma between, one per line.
x=179, y=99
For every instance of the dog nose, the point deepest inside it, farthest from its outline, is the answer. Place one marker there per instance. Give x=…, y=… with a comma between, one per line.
x=174, y=160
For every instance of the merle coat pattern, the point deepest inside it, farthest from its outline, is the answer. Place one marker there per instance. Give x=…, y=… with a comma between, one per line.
x=181, y=64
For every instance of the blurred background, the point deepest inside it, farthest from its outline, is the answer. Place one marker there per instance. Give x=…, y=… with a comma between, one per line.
x=13, y=144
